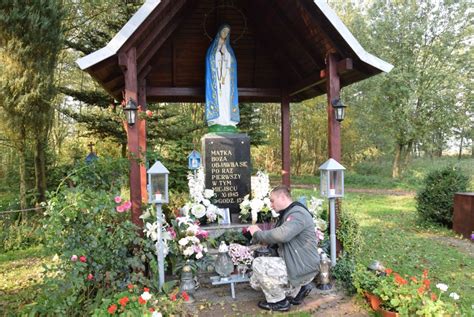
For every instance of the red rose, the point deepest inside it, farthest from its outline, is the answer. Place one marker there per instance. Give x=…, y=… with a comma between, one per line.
x=146, y=289
x=173, y=297
x=141, y=301
x=130, y=286
x=83, y=259
x=90, y=277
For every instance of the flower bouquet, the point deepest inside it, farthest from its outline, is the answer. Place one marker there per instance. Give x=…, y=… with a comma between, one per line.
x=414, y=296
x=315, y=206
x=200, y=207
x=241, y=256
x=189, y=245
x=257, y=208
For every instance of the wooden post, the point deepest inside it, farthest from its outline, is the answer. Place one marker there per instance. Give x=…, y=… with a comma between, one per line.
x=333, y=86
x=128, y=62
x=142, y=140
x=285, y=140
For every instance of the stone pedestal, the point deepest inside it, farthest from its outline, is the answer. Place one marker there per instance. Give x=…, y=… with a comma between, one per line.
x=227, y=168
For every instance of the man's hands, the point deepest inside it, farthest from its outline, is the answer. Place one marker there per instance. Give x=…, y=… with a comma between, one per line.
x=253, y=228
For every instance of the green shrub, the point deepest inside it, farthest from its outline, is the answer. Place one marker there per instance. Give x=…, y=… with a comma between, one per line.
x=15, y=235
x=435, y=199
x=349, y=233
x=99, y=251
x=343, y=271
x=351, y=240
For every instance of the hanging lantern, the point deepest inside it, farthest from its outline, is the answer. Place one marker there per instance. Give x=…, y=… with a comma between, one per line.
x=338, y=109
x=194, y=160
x=131, y=111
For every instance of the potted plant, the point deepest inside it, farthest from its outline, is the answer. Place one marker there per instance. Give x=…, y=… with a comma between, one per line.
x=414, y=296
x=365, y=282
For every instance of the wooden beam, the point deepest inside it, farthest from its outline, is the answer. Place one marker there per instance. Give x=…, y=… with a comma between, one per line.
x=142, y=139
x=162, y=32
x=285, y=141
x=343, y=66
x=199, y=92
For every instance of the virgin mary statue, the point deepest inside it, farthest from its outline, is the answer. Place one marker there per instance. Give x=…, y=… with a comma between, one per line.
x=222, y=102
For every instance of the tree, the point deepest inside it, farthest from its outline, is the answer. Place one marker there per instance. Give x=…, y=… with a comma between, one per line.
x=30, y=39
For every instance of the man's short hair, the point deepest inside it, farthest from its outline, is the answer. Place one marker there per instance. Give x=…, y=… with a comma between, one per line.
x=282, y=189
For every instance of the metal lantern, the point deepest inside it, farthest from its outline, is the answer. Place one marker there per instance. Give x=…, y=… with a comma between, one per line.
x=158, y=194
x=194, y=160
x=158, y=184
x=338, y=109
x=332, y=186
x=332, y=179
x=131, y=110
x=188, y=284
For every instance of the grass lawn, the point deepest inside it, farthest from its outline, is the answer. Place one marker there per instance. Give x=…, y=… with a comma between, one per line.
x=20, y=278
x=392, y=235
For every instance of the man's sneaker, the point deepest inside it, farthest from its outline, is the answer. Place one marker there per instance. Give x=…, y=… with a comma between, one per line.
x=304, y=291
x=283, y=305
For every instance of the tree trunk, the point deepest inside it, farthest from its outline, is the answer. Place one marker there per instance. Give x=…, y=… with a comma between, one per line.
x=22, y=171
x=396, y=161
x=461, y=145
x=40, y=168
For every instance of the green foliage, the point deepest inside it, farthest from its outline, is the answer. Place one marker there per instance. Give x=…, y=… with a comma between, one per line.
x=98, y=249
x=435, y=200
x=344, y=270
x=18, y=235
x=364, y=280
x=349, y=233
x=230, y=236
x=132, y=303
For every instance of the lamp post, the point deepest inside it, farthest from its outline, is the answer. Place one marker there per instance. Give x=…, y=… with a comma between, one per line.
x=158, y=195
x=131, y=111
x=338, y=109
x=332, y=187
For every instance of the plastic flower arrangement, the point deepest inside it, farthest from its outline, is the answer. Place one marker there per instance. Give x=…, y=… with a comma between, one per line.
x=414, y=296
x=257, y=208
x=151, y=230
x=240, y=254
x=315, y=206
x=136, y=301
x=201, y=207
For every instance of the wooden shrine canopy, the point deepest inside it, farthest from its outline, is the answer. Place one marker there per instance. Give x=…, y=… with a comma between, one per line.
x=281, y=47
x=286, y=51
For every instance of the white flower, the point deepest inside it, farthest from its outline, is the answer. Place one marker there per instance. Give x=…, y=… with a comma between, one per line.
x=185, y=210
x=442, y=287
x=267, y=202
x=183, y=241
x=198, y=211
x=145, y=215
x=182, y=220
x=192, y=230
x=208, y=193
x=256, y=204
x=204, y=250
x=206, y=202
x=151, y=230
x=188, y=251
x=211, y=214
x=454, y=296
x=274, y=213
x=156, y=314
x=146, y=296
x=199, y=255
x=320, y=251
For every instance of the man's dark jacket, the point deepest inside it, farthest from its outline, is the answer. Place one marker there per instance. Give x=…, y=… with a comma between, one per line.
x=295, y=236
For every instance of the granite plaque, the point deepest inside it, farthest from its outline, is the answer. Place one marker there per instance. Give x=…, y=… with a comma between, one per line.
x=227, y=168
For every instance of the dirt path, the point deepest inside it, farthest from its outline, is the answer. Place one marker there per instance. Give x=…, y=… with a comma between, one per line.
x=394, y=192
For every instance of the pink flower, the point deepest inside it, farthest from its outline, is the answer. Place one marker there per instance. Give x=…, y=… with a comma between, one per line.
x=120, y=208
x=74, y=258
x=172, y=232
x=127, y=205
x=149, y=113
x=202, y=234
x=118, y=199
x=90, y=277
x=83, y=259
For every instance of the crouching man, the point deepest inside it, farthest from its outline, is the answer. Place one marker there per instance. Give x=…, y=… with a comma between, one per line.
x=285, y=280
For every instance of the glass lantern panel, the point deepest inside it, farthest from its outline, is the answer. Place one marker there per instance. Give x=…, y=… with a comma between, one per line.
x=336, y=188
x=159, y=188
x=324, y=183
